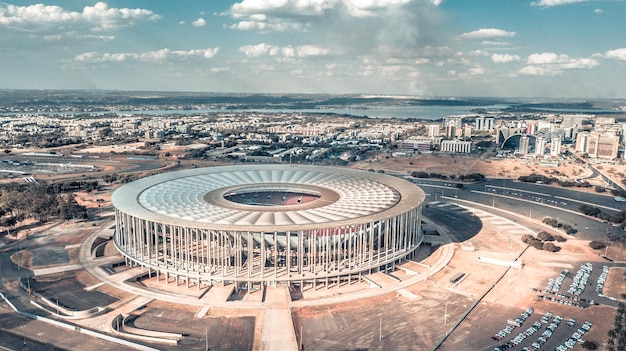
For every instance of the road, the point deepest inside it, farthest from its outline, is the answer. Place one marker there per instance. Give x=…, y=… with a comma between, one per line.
x=534, y=201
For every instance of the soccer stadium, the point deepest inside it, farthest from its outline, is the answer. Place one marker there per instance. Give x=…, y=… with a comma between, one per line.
x=267, y=224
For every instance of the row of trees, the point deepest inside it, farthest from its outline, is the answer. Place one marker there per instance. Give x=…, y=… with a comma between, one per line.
x=472, y=177
x=543, y=241
x=617, y=335
x=534, y=178
x=593, y=211
x=568, y=229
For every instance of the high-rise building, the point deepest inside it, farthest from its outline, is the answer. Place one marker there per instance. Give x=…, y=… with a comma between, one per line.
x=581, y=142
x=601, y=145
x=555, y=146
x=433, y=130
x=540, y=146
x=572, y=121
x=484, y=123
x=524, y=144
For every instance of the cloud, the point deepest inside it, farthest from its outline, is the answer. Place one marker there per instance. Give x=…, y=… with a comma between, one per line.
x=546, y=58
x=504, y=58
x=285, y=51
x=494, y=43
x=266, y=26
x=598, y=11
x=100, y=17
x=551, y=64
x=487, y=33
x=283, y=15
x=617, y=54
x=549, y=3
x=150, y=56
x=200, y=22
x=538, y=71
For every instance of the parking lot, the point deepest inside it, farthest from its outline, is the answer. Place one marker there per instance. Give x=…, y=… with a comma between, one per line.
x=561, y=313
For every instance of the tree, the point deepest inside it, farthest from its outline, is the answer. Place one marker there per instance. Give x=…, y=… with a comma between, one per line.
x=589, y=210
x=597, y=245
x=528, y=239
x=7, y=151
x=551, y=221
x=545, y=236
x=537, y=245
x=551, y=247
x=568, y=229
x=589, y=345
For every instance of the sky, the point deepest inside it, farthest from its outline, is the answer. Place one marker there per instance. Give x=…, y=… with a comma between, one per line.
x=423, y=48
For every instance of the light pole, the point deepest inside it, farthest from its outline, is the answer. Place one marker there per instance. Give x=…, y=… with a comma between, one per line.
x=380, y=329
x=445, y=314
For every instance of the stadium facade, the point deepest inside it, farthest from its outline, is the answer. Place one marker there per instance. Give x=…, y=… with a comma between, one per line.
x=267, y=224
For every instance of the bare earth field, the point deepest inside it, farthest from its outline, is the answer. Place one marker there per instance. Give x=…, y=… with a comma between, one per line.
x=456, y=165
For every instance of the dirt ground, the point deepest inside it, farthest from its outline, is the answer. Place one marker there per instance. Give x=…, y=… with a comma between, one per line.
x=457, y=165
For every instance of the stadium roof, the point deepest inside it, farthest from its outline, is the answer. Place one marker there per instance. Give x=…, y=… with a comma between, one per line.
x=196, y=197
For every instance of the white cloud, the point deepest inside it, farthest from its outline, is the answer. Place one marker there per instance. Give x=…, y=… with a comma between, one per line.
x=150, y=56
x=285, y=51
x=617, y=54
x=259, y=50
x=546, y=58
x=550, y=64
x=494, y=43
x=487, y=33
x=266, y=26
x=298, y=7
x=549, y=3
x=476, y=71
x=504, y=58
x=598, y=11
x=40, y=17
x=200, y=22
x=538, y=71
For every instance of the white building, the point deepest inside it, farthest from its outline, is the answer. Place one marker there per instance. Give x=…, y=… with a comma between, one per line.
x=484, y=123
x=555, y=146
x=456, y=146
x=540, y=146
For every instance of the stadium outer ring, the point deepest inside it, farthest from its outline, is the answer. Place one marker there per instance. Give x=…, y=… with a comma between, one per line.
x=180, y=227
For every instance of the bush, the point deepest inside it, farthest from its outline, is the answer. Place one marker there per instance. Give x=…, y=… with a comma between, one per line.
x=559, y=238
x=551, y=221
x=545, y=236
x=528, y=239
x=599, y=189
x=551, y=247
x=568, y=229
x=597, y=245
x=589, y=345
x=589, y=210
x=537, y=244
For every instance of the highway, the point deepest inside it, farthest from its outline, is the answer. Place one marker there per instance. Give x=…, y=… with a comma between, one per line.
x=532, y=201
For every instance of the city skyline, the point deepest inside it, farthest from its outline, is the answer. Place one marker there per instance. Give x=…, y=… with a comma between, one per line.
x=426, y=48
